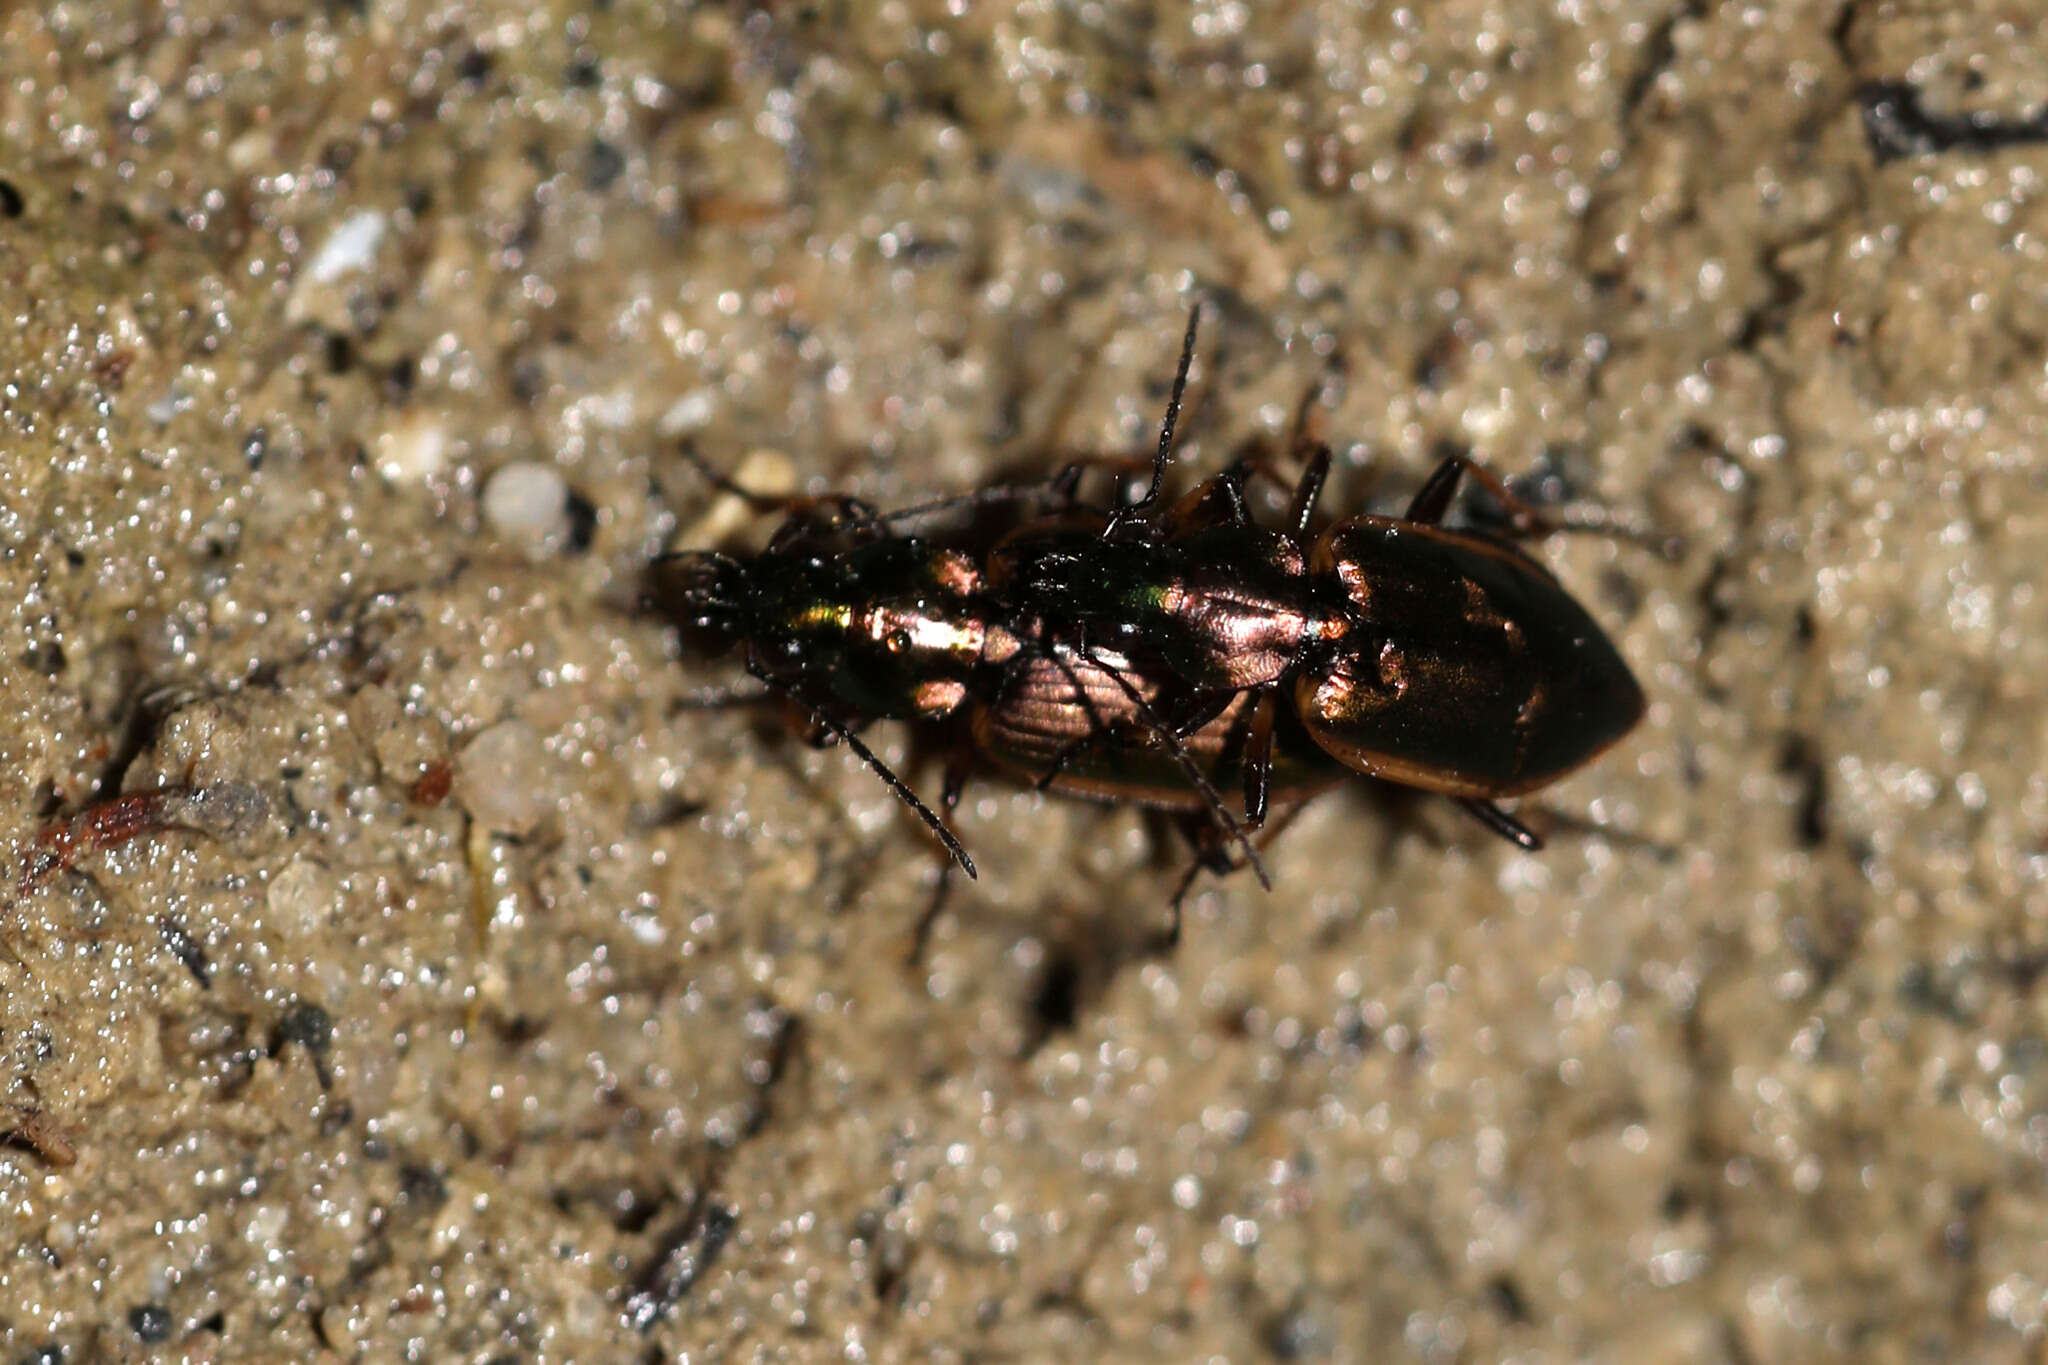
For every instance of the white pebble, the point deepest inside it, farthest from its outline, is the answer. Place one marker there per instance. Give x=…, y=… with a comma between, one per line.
x=413, y=451
x=303, y=896
x=528, y=501
x=350, y=247
x=265, y=1224
x=497, y=778
x=688, y=413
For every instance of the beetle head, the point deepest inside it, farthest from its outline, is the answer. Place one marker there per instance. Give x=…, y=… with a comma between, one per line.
x=708, y=592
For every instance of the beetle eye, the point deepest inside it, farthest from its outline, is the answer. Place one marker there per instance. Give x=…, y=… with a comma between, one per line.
x=896, y=641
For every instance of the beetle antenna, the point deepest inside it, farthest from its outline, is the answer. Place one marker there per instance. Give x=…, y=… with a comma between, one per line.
x=881, y=770
x=997, y=495
x=1165, y=453
x=903, y=792
x=1209, y=794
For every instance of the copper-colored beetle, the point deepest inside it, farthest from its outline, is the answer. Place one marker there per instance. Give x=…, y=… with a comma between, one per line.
x=1125, y=654
x=1441, y=659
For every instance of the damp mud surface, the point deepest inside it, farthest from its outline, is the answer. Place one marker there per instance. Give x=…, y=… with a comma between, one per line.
x=393, y=967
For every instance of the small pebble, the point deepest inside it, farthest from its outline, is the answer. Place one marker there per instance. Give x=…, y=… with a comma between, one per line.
x=320, y=290
x=337, y=1329
x=350, y=247
x=765, y=473
x=264, y=1226
x=687, y=414
x=303, y=896
x=413, y=450
x=307, y=1024
x=528, y=501
x=151, y=1322
x=496, y=778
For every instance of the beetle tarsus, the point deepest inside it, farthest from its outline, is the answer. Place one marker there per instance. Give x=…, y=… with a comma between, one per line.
x=1501, y=823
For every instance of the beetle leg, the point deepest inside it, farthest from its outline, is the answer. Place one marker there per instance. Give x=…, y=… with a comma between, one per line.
x=1068, y=752
x=808, y=719
x=802, y=512
x=1258, y=762
x=847, y=514
x=1217, y=501
x=1198, y=510
x=1196, y=778
x=1099, y=728
x=959, y=766
x=1066, y=484
x=1304, y=444
x=1306, y=430
x=1207, y=706
x=1309, y=488
x=1205, y=840
x=1210, y=847
x=760, y=502
x=1433, y=499
x=1230, y=488
x=1501, y=823
x=1212, y=854
x=1169, y=728
x=1197, y=865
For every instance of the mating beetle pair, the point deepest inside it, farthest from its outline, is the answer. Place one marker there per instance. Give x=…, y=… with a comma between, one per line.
x=1130, y=652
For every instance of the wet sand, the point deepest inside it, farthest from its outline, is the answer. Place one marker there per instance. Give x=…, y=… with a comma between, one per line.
x=459, y=995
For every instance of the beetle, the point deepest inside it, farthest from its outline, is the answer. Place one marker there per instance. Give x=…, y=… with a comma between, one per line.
x=854, y=616
x=1083, y=723
x=853, y=623
x=1132, y=653
x=1442, y=659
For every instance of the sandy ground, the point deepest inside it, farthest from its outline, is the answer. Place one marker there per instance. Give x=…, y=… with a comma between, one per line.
x=474, y=1002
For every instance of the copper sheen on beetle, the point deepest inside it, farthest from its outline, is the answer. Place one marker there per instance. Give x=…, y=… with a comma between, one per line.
x=1162, y=654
